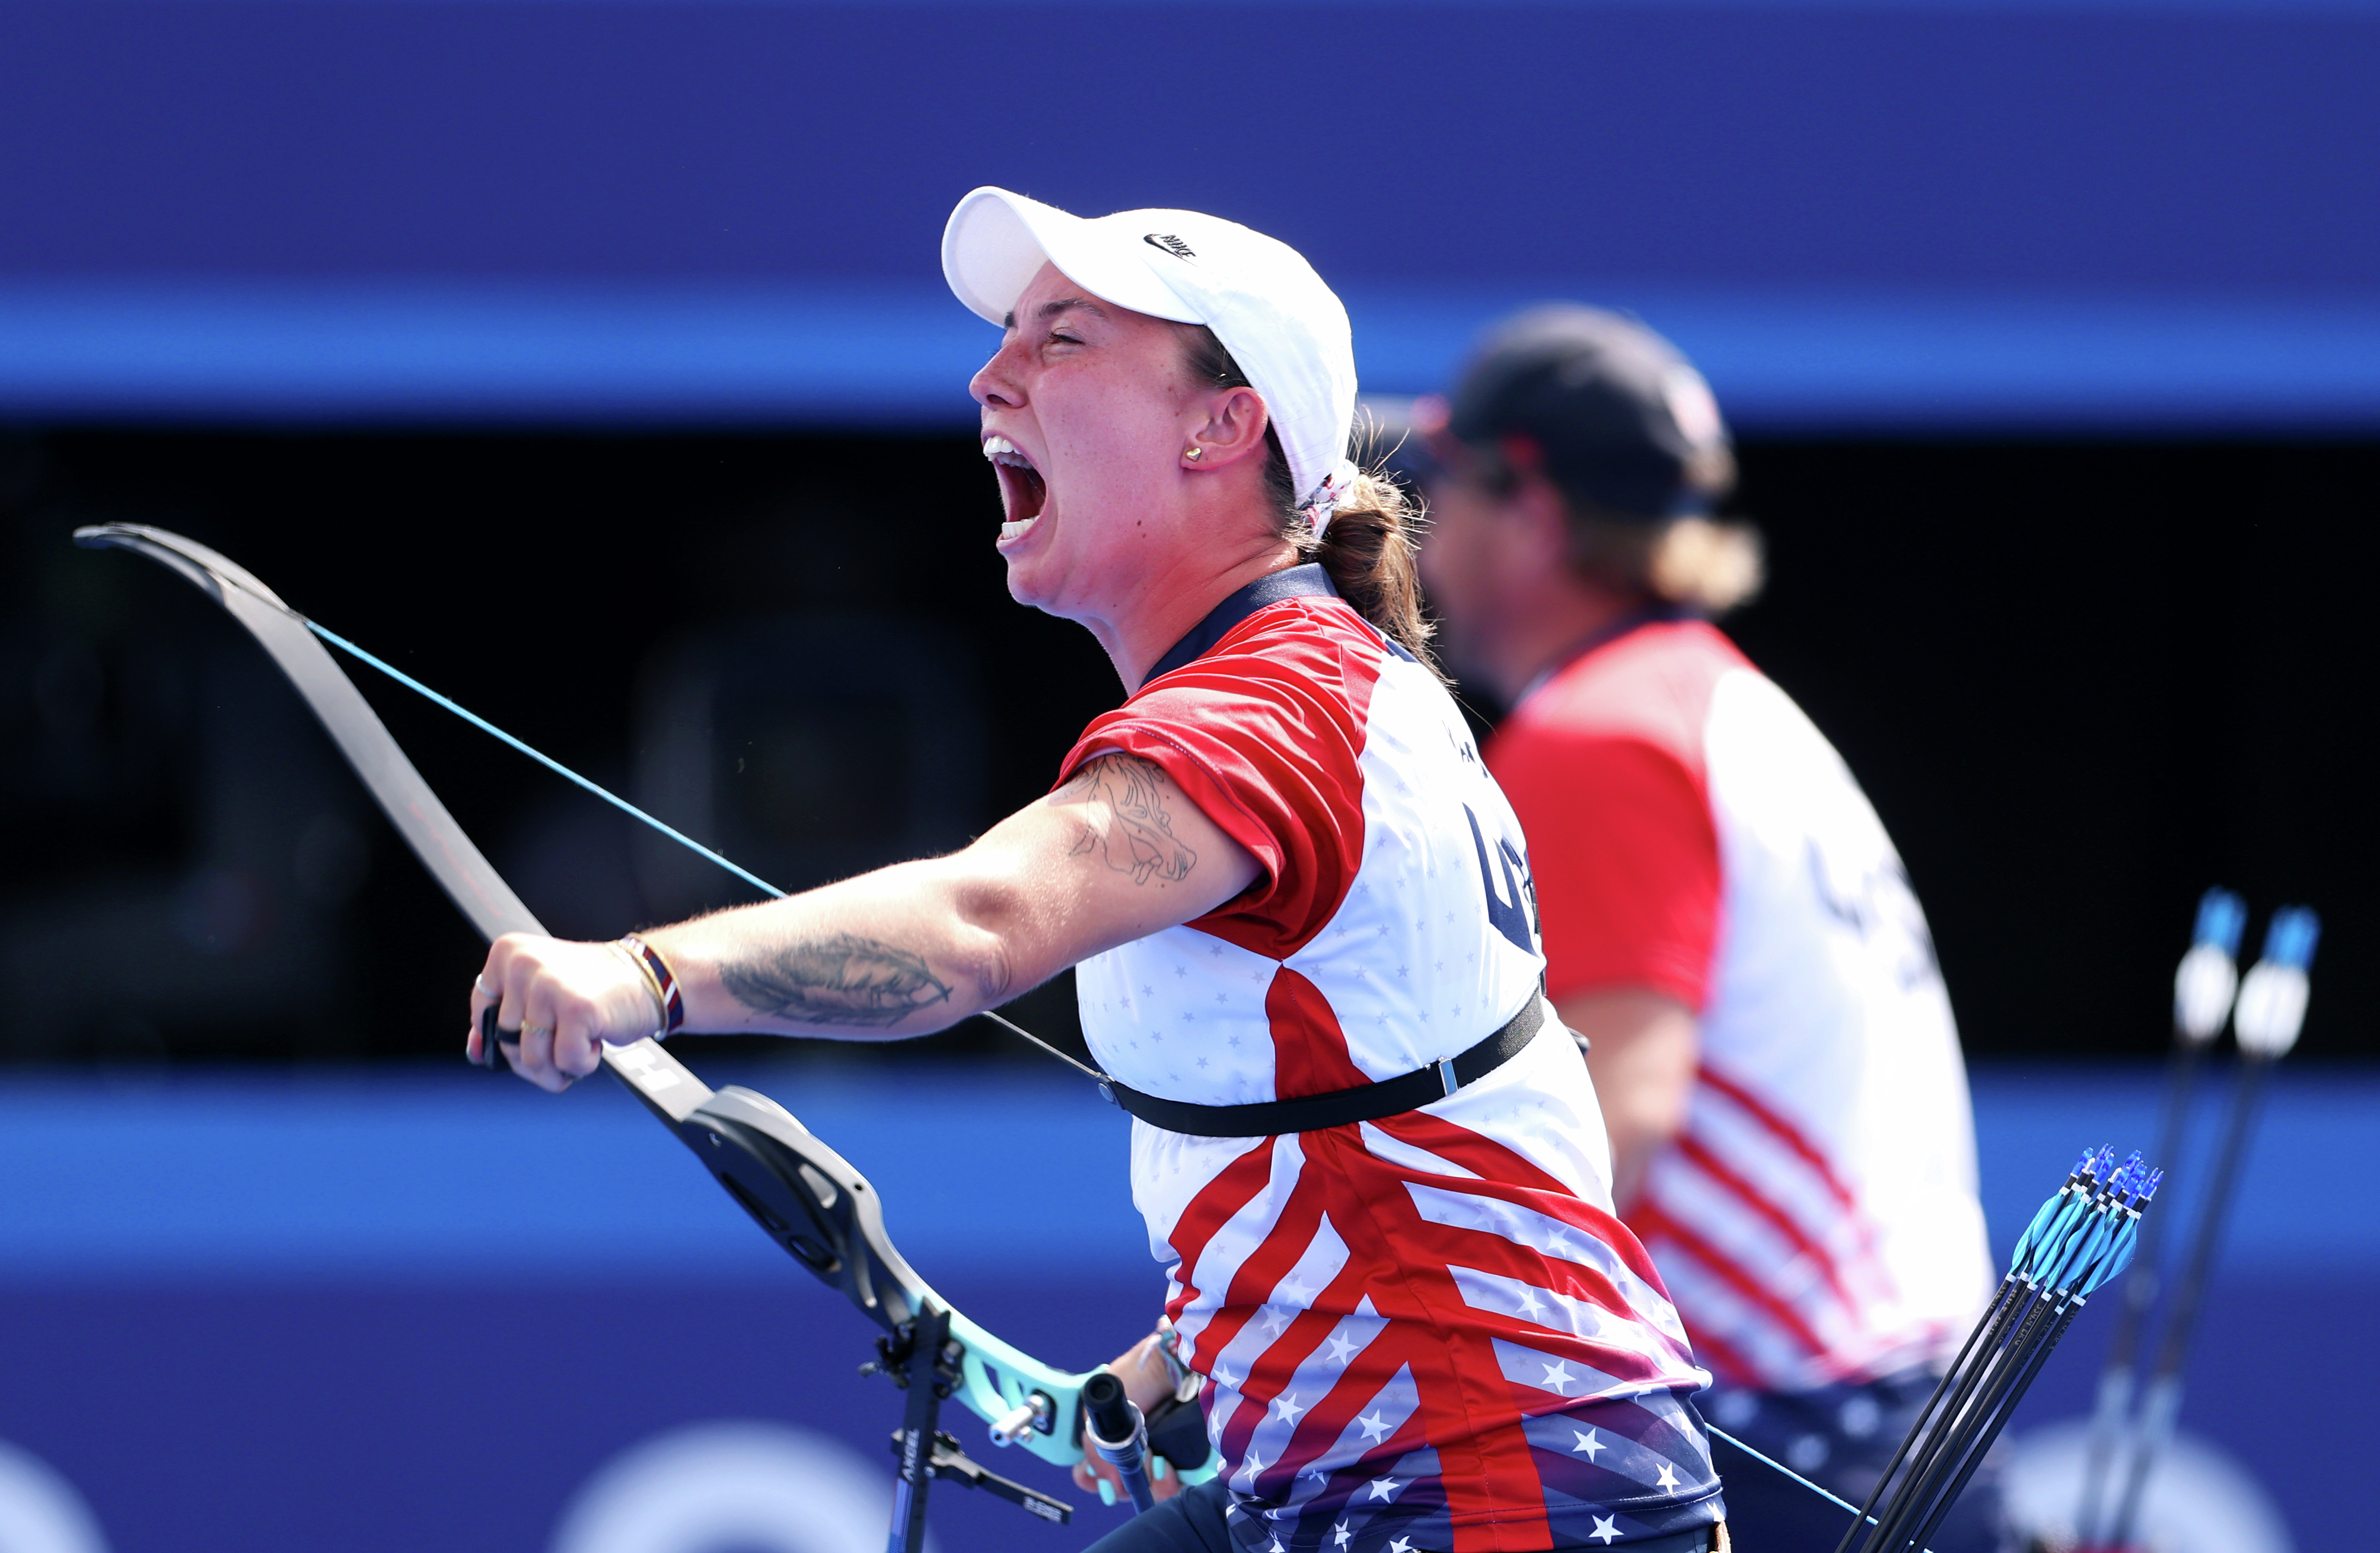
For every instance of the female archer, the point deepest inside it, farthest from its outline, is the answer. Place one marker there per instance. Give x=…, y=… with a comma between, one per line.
x=1300, y=918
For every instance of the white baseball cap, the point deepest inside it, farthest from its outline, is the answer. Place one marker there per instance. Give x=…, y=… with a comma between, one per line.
x=1285, y=328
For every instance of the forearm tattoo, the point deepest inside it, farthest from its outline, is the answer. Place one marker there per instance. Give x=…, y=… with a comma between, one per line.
x=1124, y=820
x=841, y=979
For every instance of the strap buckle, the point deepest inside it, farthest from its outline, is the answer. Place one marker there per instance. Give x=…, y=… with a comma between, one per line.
x=1446, y=1076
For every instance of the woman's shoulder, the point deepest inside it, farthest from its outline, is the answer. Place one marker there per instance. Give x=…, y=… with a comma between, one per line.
x=1297, y=649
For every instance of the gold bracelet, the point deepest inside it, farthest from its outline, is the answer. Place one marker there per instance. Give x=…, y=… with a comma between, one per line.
x=653, y=986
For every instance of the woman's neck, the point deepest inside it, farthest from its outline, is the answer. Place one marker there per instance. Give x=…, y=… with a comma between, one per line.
x=1167, y=604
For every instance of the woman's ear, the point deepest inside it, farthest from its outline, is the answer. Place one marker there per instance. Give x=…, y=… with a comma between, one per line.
x=1231, y=428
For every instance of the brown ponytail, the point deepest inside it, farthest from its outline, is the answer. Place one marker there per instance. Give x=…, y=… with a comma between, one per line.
x=1370, y=545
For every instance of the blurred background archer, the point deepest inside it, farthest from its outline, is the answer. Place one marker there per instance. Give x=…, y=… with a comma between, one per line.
x=589, y=361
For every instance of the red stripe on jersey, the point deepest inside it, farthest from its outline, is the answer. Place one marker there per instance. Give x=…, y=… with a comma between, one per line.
x=1862, y=1226
x=1784, y=1131
x=1233, y=1187
x=1496, y=1165
x=1309, y=1050
x=1775, y=1217
x=1493, y=1492
x=1260, y=1272
x=1652, y=1223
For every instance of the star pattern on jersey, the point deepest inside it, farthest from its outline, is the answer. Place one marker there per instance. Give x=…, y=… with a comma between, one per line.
x=1530, y=1305
x=1339, y=1535
x=1342, y=1350
x=1285, y=1408
x=1604, y=1532
x=1402, y=1545
x=1558, y=1378
x=1376, y=1428
x=1668, y=1478
x=1587, y=1443
x=1384, y=1488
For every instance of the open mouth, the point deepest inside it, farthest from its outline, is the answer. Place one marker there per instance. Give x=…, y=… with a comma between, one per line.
x=1022, y=488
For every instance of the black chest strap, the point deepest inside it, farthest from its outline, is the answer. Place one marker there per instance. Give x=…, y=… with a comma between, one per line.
x=1366, y=1102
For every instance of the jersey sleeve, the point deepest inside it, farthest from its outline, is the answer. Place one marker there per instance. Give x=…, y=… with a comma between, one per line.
x=1625, y=857
x=1269, y=748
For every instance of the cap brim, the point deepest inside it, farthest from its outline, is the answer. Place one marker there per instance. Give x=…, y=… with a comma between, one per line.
x=997, y=242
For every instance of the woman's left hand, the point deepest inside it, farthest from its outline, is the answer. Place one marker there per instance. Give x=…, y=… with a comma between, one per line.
x=558, y=1003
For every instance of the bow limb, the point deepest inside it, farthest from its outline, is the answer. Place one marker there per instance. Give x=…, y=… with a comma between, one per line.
x=804, y=1195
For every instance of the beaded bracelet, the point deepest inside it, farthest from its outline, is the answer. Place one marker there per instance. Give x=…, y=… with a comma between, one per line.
x=662, y=982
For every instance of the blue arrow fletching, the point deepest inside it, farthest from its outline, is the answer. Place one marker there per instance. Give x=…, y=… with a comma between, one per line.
x=2222, y=917
x=2042, y=1219
x=2290, y=939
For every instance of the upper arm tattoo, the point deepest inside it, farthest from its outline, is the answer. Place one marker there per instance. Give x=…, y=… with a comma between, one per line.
x=1125, y=821
x=841, y=979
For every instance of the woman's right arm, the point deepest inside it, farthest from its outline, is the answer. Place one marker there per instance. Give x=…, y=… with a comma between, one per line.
x=1116, y=854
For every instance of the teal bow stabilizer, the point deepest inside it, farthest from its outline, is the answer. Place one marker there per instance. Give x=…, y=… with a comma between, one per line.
x=2082, y=1236
x=806, y=1197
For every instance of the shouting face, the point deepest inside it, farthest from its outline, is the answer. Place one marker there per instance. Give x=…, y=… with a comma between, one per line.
x=1087, y=408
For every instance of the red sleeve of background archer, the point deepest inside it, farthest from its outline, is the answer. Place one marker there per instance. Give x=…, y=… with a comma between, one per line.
x=1625, y=857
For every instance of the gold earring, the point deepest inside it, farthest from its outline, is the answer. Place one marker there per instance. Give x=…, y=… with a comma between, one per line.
x=1193, y=454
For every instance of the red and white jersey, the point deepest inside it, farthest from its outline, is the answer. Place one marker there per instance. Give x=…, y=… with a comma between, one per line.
x=1390, y=1313
x=1693, y=833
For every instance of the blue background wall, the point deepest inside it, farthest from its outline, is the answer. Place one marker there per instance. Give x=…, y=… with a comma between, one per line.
x=410, y=1310
x=2111, y=214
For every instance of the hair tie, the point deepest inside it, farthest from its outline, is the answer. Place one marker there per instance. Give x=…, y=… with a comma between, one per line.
x=1335, y=487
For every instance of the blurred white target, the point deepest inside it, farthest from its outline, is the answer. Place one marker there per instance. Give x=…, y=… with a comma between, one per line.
x=715, y=1486
x=2198, y=1499
x=40, y=1512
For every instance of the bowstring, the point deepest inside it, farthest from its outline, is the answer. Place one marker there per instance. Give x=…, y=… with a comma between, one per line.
x=631, y=810
x=548, y=761
x=1011, y=1025
x=1771, y=1462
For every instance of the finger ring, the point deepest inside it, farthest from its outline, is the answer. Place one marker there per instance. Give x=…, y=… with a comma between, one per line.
x=538, y=1030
